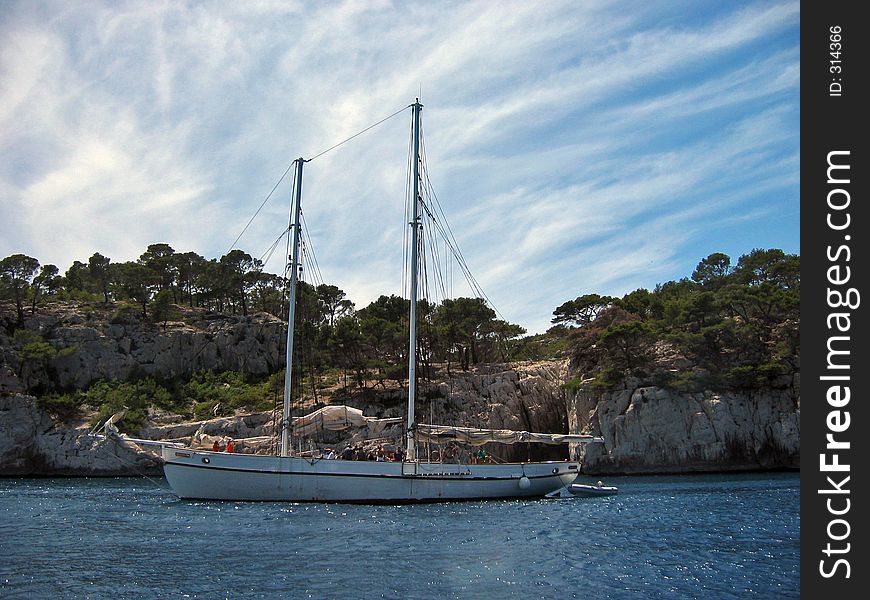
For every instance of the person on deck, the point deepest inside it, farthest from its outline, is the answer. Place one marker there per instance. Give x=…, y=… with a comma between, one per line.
x=215, y=447
x=231, y=446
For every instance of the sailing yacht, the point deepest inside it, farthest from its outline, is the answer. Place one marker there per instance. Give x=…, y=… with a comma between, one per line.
x=201, y=474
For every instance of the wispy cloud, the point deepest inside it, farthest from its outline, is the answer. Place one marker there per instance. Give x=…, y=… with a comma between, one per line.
x=576, y=147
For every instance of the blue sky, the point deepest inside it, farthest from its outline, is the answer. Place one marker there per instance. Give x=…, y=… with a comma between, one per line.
x=576, y=147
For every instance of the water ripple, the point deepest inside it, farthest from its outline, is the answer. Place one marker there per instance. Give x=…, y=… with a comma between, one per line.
x=731, y=536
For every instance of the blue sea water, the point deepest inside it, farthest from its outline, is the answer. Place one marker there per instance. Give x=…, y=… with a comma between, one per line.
x=724, y=536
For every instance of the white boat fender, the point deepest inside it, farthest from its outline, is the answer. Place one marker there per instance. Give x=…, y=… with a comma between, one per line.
x=525, y=483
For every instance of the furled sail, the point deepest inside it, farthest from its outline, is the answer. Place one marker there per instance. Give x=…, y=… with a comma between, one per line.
x=439, y=434
x=338, y=418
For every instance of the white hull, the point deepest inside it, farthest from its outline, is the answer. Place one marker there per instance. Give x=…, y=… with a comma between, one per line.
x=222, y=476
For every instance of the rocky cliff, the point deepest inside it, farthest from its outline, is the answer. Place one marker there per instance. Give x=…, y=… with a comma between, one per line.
x=68, y=346
x=31, y=443
x=647, y=429
x=526, y=396
x=93, y=342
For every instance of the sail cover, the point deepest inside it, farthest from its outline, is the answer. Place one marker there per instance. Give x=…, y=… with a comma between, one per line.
x=439, y=434
x=338, y=418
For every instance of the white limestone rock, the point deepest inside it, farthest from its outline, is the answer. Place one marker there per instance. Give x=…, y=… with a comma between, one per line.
x=660, y=431
x=31, y=443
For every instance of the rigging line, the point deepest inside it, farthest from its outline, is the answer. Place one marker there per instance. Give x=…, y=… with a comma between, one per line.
x=423, y=282
x=314, y=263
x=290, y=166
x=469, y=277
x=448, y=269
x=359, y=133
x=298, y=385
x=424, y=257
x=437, y=254
x=440, y=228
x=307, y=347
x=436, y=258
x=430, y=189
x=437, y=278
x=472, y=284
x=309, y=263
x=273, y=445
x=429, y=241
x=266, y=256
x=251, y=220
x=406, y=226
x=303, y=261
x=131, y=463
x=440, y=210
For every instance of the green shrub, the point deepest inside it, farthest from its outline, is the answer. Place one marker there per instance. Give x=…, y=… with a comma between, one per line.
x=572, y=385
x=605, y=380
x=754, y=376
x=31, y=346
x=133, y=421
x=230, y=390
x=67, y=351
x=61, y=406
x=686, y=381
x=126, y=314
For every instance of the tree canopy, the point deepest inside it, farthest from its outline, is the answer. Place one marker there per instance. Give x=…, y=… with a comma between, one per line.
x=16, y=273
x=331, y=331
x=738, y=326
x=737, y=323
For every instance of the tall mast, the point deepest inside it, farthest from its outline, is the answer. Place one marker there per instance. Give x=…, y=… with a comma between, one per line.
x=296, y=225
x=412, y=334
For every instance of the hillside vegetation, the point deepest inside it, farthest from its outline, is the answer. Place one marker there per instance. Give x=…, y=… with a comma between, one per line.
x=726, y=326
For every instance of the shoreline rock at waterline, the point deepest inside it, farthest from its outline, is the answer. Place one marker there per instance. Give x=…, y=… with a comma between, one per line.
x=651, y=430
x=646, y=429
x=32, y=444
